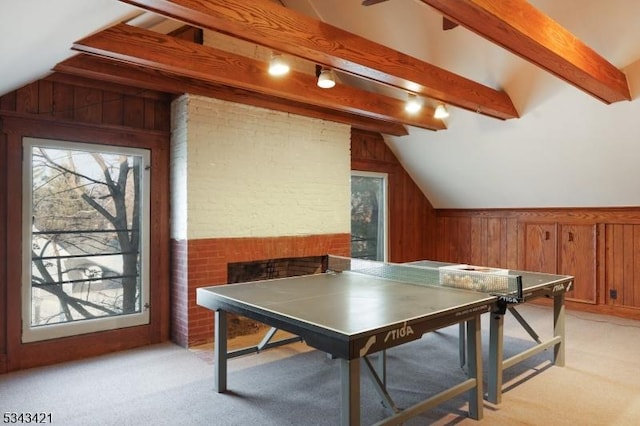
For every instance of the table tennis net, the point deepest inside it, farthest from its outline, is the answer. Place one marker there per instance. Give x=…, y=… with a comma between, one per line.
x=486, y=280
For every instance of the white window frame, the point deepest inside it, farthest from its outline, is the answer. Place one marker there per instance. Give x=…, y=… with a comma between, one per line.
x=385, y=204
x=53, y=331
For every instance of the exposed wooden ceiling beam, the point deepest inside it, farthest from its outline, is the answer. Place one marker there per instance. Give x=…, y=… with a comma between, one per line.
x=165, y=53
x=96, y=68
x=524, y=30
x=268, y=24
x=213, y=66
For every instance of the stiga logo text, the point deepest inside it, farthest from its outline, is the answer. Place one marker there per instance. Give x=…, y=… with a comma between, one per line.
x=558, y=288
x=399, y=333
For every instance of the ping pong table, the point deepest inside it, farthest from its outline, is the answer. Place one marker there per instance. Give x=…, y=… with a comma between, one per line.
x=358, y=308
x=534, y=285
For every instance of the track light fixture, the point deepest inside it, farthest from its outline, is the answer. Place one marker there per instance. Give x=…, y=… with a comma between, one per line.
x=441, y=112
x=326, y=80
x=278, y=66
x=413, y=104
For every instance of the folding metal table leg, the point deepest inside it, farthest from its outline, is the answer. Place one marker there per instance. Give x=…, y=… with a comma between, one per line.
x=220, y=351
x=462, y=344
x=559, y=328
x=474, y=357
x=350, y=392
x=496, y=354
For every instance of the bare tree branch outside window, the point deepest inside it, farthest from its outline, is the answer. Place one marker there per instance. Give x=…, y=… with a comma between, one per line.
x=86, y=210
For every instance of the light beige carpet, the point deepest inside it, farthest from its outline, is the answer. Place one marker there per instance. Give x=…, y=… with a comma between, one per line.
x=293, y=385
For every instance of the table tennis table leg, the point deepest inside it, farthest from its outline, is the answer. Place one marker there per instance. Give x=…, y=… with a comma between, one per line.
x=220, y=351
x=559, y=328
x=462, y=344
x=496, y=355
x=474, y=361
x=350, y=392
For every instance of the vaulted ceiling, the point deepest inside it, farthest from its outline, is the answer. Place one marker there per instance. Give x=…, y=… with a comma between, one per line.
x=509, y=71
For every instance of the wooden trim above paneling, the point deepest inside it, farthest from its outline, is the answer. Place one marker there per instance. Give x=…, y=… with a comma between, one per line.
x=107, y=86
x=42, y=126
x=630, y=214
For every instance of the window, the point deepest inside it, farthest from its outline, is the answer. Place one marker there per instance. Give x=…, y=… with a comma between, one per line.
x=85, y=260
x=368, y=215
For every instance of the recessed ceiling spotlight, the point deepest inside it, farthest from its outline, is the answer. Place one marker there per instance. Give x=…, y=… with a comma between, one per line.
x=441, y=112
x=326, y=80
x=413, y=104
x=278, y=66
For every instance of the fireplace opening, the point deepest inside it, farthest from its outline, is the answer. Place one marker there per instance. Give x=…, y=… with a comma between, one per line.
x=266, y=269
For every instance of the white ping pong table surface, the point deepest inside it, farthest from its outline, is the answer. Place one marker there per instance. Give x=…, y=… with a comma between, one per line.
x=366, y=307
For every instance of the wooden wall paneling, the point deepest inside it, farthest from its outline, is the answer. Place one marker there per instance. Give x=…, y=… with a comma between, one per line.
x=457, y=235
x=41, y=353
x=609, y=263
x=8, y=101
x=634, y=280
x=495, y=242
x=59, y=110
x=112, y=108
x=617, y=264
x=404, y=219
x=540, y=247
x=133, y=112
x=628, y=285
x=13, y=239
x=411, y=221
x=614, y=264
x=87, y=105
x=463, y=234
x=478, y=241
x=149, y=114
x=440, y=237
x=393, y=209
x=449, y=233
x=63, y=106
x=45, y=97
x=3, y=251
x=395, y=235
x=601, y=264
x=617, y=257
x=512, y=247
x=159, y=245
x=162, y=116
x=577, y=257
x=620, y=248
x=27, y=99
x=431, y=235
x=91, y=103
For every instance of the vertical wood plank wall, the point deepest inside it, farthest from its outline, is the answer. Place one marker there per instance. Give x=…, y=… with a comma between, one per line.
x=76, y=109
x=3, y=252
x=599, y=246
x=411, y=234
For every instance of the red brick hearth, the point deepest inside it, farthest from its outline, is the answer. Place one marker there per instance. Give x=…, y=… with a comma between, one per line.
x=204, y=262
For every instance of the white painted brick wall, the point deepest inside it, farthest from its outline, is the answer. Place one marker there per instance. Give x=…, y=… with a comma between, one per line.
x=253, y=172
x=178, y=168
